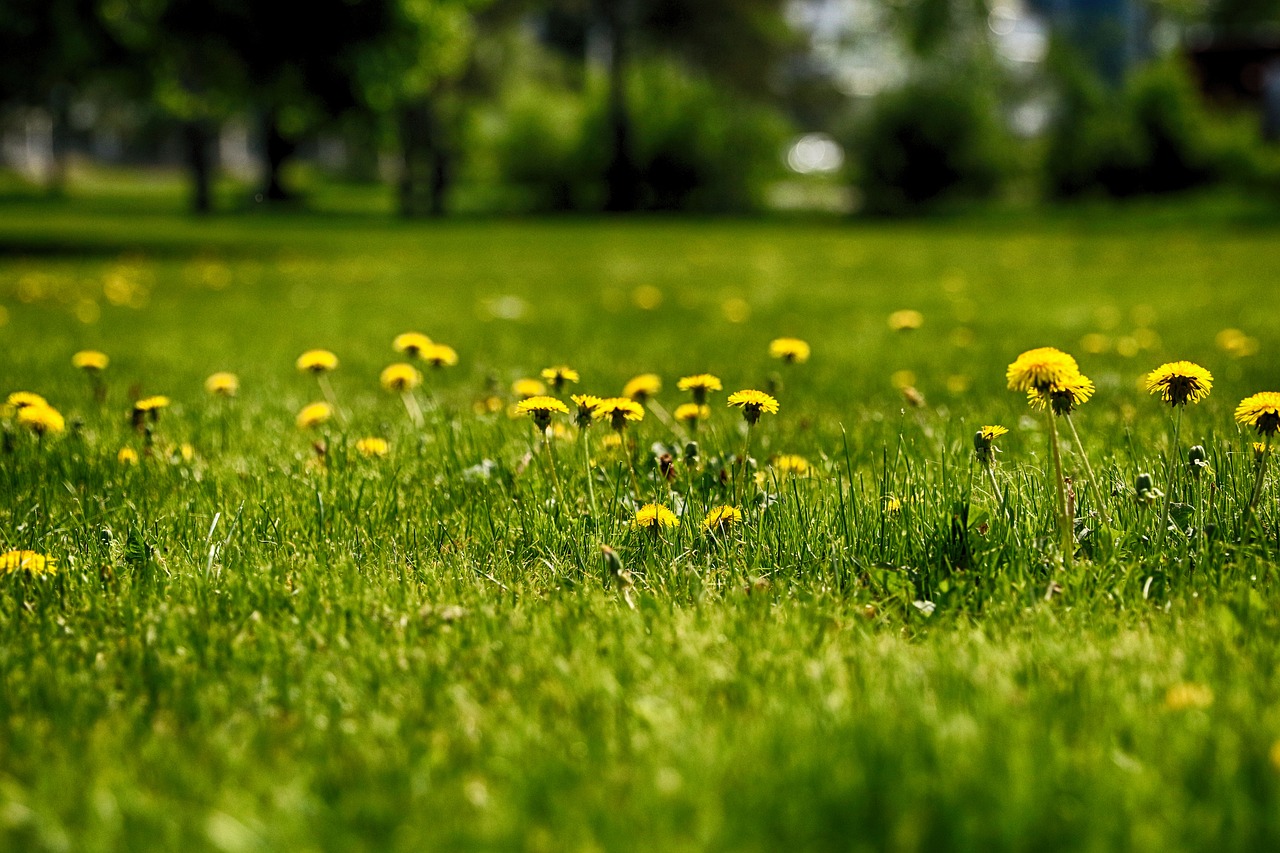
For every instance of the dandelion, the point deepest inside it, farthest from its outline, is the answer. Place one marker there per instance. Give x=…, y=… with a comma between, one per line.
x=541, y=409
x=753, y=404
x=90, y=361
x=892, y=506
x=1259, y=450
x=720, y=519
x=412, y=344
x=19, y=400
x=699, y=385
x=127, y=456
x=1041, y=369
x=905, y=320
x=373, y=447
x=791, y=465
x=655, y=518
x=317, y=361
x=559, y=376
x=1180, y=382
x=641, y=388
x=440, y=355
x=586, y=404
x=1062, y=397
x=789, y=350
x=313, y=415
x=401, y=377
x=222, y=384
x=1262, y=412
x=691, y=413
x=618, y=411
x=31, y=562
x=526, y=388
x=984, y=448
x=41, y=419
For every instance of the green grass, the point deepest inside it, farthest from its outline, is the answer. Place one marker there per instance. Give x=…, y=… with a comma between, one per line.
x=256, y=649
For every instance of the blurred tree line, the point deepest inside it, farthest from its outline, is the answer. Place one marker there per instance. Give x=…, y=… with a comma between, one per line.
x=618, y=105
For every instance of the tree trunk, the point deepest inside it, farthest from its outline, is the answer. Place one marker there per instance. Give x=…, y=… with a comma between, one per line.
x=59, y=139
x=622, y=179
x=198, y=136
x=276, y=150
x=426, y=165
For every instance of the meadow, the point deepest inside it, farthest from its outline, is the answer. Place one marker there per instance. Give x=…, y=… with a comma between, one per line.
x=265, y=635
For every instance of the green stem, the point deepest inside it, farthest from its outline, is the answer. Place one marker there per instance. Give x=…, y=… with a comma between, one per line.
x=1257, y=488
x=1093, y=481
x=1066, y=534
x=1168, y=480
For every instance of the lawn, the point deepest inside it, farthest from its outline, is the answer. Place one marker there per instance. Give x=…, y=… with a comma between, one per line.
x=258, y=637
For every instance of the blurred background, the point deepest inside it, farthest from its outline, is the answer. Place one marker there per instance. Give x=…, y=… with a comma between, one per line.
x=448, y=107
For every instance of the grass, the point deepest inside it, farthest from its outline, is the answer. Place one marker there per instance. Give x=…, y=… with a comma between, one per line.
x=251, y=646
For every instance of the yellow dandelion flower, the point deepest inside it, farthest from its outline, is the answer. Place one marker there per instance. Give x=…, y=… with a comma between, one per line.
x=400, y=377
x=906, y=320
x=31, y=562
x=753, y=403
x=642, y=387
x=720, y=519
x=618, y=410
x=222, y=384
x=1038, y=369
x=993, y=431
x=655, y=517
x=127, y=456
x=1180, y=382
x=372, y=447
x=440, y=355
x=790, y=464
x=559, y=376
x=90, y=360
x=152, y=404
x=790, y=350
x=317, y=361
x=892, y=505
x=1236, y=343
x=541, y=409
x=1062, y=398
x=21, y=399
x=42, y=419
x=700, y=385
x=1259, y=450
x=412, y=344
x=1260, y=411
x=611, y=443
x=526, y=388
x=313, y=415
x=586, y=404
x=983, y=439
x=691, y=413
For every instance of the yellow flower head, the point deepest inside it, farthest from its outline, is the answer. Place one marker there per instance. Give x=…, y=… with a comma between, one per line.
x=790, y=350
x=691, y=413
x=127, y=456
x=992, y=432
x=21, y=399
x=586, y=404
x=1259, y=450
x=642, y=387
x=41, y=419
x=892, y=505
x=720, y=519
x=753, y=403
x=151, y=405
x=526, y=388
x=905, y=320
x=400, y=377
x=317, y=361
x=90, y=360
x=655, y=517
x=31, y=562
x=983, y=439
x=412, y=344
x=1260, y=411
x=541, y=408
x=559, y=376
x=700, y=385
x=1180, y=382
x=619, y=410
x=222, y=384
x=440, y=355
x=313, y=415
x=790, y=463
x=1062, y=397
x=1039, y=369
x=372, y=447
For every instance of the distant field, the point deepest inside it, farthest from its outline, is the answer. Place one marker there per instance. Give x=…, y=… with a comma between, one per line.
x=258, y=639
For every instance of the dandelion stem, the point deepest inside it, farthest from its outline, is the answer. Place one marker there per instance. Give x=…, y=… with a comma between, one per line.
x=1065, y=532
x=1093, y=480
x=551, y=463
x=1257, y=488
x=411, y=406
x=585, y=435
x=1168, y=479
